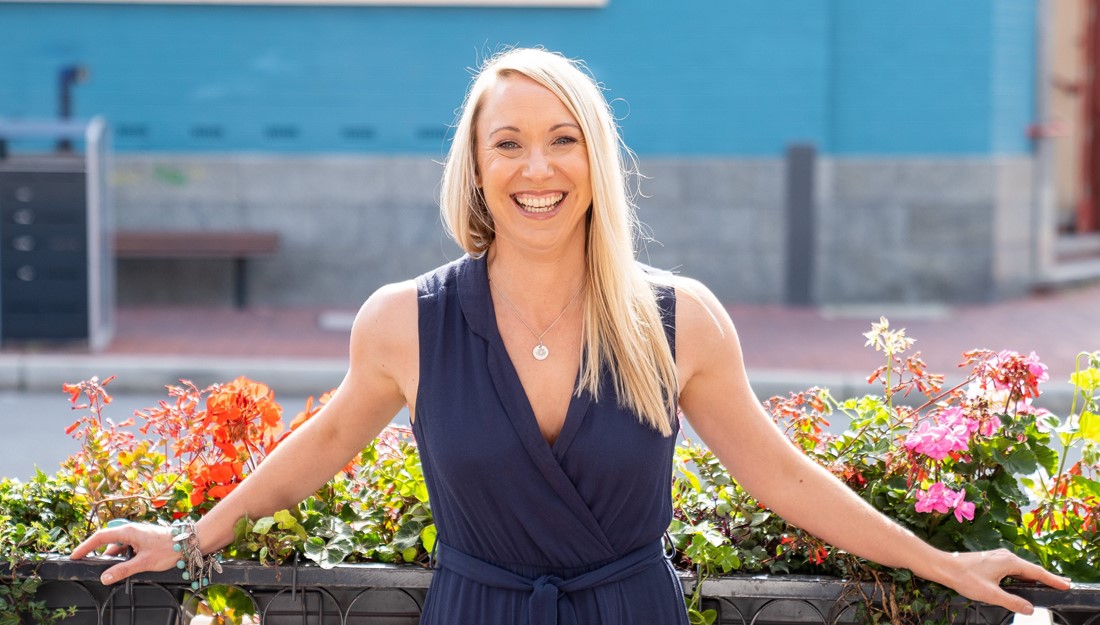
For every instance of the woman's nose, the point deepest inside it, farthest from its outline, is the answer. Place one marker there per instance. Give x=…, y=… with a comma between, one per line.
x=538, y=165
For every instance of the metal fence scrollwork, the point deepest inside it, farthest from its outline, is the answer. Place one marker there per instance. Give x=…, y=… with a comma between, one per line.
x=372, y=594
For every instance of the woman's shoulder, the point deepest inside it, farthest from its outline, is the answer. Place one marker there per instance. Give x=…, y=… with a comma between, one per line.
x=705, y=334
x=390, y=312
x=444, y=277
x=688, y=291
x=698, y=310
x=397, y=301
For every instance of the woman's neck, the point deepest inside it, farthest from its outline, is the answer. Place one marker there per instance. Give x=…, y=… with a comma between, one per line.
x=539, y=286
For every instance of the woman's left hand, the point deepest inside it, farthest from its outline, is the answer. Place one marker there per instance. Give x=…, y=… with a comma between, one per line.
x=977, y=575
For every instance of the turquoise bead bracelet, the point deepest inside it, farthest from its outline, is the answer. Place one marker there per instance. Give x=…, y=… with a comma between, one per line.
x=194, y=566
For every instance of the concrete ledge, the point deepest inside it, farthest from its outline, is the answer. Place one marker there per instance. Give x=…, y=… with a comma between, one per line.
x=1072, y=273
x=148, y=374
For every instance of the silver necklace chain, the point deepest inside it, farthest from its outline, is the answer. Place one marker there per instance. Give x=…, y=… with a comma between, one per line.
x=541, y=351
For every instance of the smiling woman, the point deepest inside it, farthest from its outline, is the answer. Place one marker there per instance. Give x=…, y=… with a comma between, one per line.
x=544, y=372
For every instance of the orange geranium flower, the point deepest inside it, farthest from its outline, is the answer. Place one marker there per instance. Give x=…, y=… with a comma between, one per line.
x=215, y=480
x=242, y=412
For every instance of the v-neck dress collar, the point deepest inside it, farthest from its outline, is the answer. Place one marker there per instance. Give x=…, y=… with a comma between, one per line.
x=477, y=307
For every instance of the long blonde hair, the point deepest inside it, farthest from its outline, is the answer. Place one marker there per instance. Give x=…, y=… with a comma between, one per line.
x=622, y=323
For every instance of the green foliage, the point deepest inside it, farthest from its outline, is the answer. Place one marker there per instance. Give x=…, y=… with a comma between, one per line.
x=974, y=467
x=377, y=512
x=18, y=607
x=39, y=516
x=225, y=605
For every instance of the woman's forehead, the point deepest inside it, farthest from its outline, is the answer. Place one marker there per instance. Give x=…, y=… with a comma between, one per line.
x=516, y=100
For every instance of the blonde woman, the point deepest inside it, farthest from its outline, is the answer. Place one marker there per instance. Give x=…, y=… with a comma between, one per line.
x=543, y=372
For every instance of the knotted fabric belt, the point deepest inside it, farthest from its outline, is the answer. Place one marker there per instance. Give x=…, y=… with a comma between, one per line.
x=546, y=590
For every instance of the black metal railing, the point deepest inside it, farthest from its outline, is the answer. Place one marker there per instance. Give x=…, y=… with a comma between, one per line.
x=376, y=594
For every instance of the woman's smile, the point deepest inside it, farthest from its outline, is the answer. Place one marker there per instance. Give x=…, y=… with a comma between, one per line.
x=538, y=204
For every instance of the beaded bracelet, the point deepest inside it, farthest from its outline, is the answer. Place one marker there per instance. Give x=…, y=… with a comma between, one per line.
x=195, y=567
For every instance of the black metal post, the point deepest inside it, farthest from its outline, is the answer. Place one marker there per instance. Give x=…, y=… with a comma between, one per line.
x=69, y=76
x=801, y=225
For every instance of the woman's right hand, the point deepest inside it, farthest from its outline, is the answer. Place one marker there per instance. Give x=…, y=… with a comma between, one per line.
x=151, y=544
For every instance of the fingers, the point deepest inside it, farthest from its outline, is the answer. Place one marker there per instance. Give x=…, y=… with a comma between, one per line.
x=116, y=549
x=1018, y=568
x=122, y=570
x=152, y=548
x=983, y=572
x=1036, y=573
x=1012, y=602
x=99, y=539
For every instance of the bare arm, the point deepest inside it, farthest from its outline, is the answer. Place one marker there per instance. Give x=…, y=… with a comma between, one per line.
x=381, y=378
x=719, y=403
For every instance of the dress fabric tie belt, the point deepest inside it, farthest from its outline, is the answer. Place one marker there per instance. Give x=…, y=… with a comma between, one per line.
x=546, y=591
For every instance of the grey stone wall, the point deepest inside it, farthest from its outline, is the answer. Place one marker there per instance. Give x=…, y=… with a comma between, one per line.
x=719, y=221
x=888, y=230
x=347, y=224
x=919, y=230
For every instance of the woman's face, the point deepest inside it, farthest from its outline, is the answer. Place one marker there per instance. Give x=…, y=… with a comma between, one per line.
x=532, y=166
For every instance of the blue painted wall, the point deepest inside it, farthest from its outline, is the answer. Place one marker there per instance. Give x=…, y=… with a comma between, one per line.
x=727, y=78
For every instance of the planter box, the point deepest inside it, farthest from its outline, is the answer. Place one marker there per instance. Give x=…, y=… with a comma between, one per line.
x=379, y=594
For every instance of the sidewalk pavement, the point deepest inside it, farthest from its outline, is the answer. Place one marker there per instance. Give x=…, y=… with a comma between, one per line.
x=303, y=351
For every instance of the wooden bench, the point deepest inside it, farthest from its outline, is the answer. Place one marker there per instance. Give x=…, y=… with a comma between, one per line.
x=236, y=246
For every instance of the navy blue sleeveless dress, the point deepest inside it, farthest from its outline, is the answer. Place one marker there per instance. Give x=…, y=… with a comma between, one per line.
x=531, y=533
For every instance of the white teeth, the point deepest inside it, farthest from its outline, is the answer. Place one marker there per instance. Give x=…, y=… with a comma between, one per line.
x=539, y=204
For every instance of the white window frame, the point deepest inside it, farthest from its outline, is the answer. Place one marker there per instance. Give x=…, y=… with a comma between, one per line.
x=542, y=4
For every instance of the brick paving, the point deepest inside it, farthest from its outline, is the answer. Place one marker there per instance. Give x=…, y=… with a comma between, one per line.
x=1056, y=325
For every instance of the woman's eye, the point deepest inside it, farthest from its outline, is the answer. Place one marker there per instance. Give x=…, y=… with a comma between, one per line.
x=565, y=140
x=507, y=145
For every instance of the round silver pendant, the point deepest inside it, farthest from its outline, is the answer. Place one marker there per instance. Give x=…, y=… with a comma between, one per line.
x=540, y=352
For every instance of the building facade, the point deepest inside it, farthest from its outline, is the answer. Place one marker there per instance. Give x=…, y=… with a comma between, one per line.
x=327, y=123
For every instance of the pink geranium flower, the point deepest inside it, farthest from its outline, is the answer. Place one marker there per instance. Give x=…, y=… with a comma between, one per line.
x=1036, y=368
x=938, y=440
x=928, y=439
x=940, y=498
x=935, y=499
x=990, y=426
x=955, y=417
x=964, y=510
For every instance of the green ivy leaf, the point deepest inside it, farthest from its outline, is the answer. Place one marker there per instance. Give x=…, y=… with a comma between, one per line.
x=408, y=535
x=264, y=525
x=427, y=536
x=285, y=519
